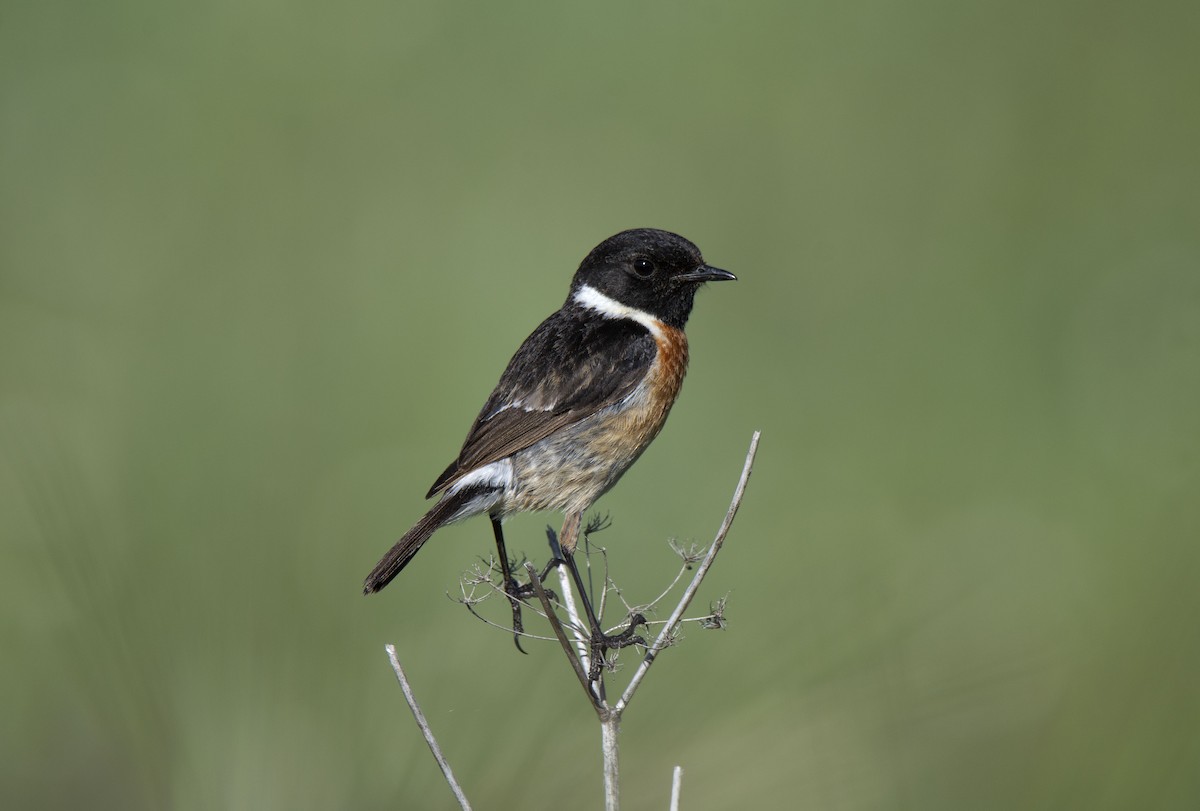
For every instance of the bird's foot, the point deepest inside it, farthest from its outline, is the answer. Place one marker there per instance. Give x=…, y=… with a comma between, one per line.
x=601, y=643
x=517, y=593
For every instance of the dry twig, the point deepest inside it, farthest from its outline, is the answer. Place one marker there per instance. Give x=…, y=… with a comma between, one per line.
x=411, y=698
x=577, y=650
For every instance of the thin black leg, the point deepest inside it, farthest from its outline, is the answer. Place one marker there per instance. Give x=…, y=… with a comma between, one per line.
x=510, y=584
x=599, y=641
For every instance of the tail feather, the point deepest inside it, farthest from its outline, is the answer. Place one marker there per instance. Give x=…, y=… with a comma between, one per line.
x=403, y=551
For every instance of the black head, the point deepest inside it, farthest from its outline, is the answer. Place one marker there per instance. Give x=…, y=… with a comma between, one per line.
x=654, y=271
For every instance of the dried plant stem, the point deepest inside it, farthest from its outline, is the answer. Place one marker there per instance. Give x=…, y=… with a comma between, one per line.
x=673, y=621
x=581, y=642
x=561, y=634
x=610, y=716
x=676, y=787
x=411, y=698
x=610, y=727
x=578, y=650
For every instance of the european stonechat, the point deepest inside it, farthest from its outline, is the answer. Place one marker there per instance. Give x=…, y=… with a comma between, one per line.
x=581, y=399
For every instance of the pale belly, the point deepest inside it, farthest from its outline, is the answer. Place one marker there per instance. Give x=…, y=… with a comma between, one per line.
x=570, y=470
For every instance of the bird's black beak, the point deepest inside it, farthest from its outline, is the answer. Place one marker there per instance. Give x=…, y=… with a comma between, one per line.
x=706, y=273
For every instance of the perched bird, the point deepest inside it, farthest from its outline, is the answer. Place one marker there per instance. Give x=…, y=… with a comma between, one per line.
x=580, y=400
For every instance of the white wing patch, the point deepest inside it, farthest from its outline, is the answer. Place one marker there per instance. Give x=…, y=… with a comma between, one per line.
x=497, y=475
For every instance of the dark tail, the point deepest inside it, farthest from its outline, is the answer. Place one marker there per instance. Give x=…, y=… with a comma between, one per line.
x=399, y=555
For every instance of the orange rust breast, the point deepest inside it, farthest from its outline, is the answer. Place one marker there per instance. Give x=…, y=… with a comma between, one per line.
x=645, y=417
x=572, y=468
x=671, y=366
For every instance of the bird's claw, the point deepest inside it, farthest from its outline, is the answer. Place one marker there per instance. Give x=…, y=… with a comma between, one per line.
x=517, y=593
x=601, y=643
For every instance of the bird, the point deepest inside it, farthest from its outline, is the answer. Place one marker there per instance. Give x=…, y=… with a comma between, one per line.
x=579, y=401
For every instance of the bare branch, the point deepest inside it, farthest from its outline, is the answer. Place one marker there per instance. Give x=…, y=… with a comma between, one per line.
x=610, y=728
x=673, y=622
x=671, y=586
x=584, y=682
x=576, y=622
x=411, y=698
x=579, y=650
x=505, y=628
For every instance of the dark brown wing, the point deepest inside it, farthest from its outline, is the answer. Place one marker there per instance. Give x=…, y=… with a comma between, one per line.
x=569, y=368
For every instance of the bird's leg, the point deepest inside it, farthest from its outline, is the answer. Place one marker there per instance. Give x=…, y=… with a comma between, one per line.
x=556, y=556
x=514, y=591
x=599, y=642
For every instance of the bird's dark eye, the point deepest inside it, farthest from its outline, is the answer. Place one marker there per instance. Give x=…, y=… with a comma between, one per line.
x=643, y=268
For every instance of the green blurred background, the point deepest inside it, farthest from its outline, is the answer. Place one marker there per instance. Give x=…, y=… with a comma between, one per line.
x=260, y=264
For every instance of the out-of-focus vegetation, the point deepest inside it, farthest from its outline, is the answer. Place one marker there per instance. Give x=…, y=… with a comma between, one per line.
x=261, y=263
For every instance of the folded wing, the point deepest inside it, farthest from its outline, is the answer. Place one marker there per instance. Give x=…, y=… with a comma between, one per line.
x=566, y=371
